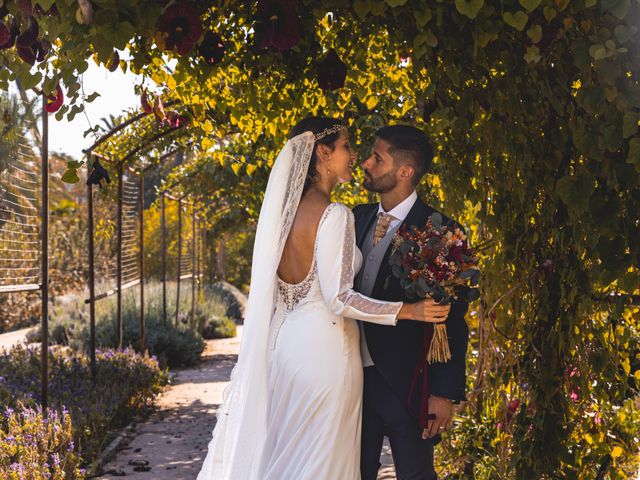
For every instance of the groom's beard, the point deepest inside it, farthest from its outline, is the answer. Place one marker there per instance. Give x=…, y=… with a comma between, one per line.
x=383, y=184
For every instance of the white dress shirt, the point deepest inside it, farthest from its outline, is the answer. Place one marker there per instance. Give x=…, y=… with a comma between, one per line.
x=400, y=211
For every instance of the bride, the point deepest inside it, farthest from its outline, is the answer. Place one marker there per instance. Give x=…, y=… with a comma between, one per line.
x=293, y=407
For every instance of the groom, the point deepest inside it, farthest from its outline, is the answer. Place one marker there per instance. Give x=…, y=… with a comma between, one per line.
x=400, y=157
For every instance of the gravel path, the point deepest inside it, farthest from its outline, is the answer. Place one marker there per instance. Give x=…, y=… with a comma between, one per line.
x=8, y=340
x=172, y=443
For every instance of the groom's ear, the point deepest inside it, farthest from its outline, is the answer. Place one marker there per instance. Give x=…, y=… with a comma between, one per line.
x=406, y=171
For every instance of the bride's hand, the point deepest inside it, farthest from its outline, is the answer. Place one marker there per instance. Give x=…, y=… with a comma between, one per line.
x=428, y=311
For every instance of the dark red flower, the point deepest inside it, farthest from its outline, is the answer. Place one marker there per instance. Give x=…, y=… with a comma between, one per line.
x=27, y=54
x=174, y=119
x=52, y=12
x=212, y=48
x=179, y=28
x=144, y=103
x=29, y=33
x=512, y=408
x=25, y=6
x=5, y=36
x=54, y=102
x=277, y=24
x=331, y=72
x=158, y=111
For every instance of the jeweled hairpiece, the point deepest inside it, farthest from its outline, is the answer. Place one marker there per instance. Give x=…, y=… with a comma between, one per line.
x=329, y=131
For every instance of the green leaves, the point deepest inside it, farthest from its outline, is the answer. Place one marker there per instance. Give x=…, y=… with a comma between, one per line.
x=361, y=7
x=574, y=191
x=533, y=54
x=530, y=5
x=535, y=33
x=633, y=156
x=618, y=8
x=395, y=3
x=469, y=8
x=629, y=124
x=517, y=20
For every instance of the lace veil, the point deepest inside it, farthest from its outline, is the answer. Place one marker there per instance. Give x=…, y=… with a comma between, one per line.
x=238, y=438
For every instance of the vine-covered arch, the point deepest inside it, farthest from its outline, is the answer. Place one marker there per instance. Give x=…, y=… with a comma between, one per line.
x=533, y=106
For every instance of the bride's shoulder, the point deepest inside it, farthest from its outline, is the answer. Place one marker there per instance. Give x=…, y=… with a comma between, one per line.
x=337, y=211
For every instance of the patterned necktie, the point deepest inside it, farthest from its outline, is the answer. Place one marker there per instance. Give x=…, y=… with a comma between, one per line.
x=384, y=219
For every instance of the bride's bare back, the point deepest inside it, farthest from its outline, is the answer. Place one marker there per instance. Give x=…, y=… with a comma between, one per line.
x=297, y=256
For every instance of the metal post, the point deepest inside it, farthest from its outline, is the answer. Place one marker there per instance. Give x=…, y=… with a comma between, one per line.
x=199, y=261
x=44, y=352
x=92, y=281
x=164, y=259
x=193, y=266
x=179, y=257
x=119, y=328
x=142, y=348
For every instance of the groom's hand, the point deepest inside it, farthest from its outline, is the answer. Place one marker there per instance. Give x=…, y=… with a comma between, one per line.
x=442, y=408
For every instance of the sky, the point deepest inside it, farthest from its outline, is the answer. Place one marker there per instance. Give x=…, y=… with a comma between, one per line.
x=116, y=96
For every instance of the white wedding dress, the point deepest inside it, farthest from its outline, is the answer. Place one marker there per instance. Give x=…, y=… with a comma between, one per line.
x=292, y=408
x=315, y=370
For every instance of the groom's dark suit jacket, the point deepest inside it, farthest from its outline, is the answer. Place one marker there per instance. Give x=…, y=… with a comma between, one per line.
x=395, y=350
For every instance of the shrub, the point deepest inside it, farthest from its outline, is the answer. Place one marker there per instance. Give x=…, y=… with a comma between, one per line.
x=126, y=383
x=217, y=327
x=34, y=446
x=173, y=345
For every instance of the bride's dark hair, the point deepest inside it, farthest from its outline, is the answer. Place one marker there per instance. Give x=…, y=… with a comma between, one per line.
x=316, y=125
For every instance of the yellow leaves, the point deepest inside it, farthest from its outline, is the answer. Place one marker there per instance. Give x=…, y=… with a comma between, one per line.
x=206, y=143
x=409, y=104
x=345, y=98
x=207, y=126
x=617, y=451
x=236, y=167
x=371, y=102
x=251, y=168
x=626, y=365
x=436, y=187
x=588, y=438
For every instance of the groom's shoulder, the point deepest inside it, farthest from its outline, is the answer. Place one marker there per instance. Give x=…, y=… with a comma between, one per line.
x=363, y=208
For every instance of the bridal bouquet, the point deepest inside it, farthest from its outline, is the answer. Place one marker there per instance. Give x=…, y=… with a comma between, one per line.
x=435, y=261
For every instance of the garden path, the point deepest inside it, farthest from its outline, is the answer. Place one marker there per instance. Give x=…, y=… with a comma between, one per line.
x=173, y=440
x=9, y=339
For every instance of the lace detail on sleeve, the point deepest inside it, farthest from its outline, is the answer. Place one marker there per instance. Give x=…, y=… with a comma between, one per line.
x=347, y=296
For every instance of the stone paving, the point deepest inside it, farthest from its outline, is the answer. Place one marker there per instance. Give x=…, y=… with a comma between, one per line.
x=172, y=443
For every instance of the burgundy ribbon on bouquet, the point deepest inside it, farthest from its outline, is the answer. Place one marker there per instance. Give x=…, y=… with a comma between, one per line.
x=422, y=372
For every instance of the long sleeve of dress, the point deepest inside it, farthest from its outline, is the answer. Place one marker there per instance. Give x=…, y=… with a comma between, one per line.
x=335, y=253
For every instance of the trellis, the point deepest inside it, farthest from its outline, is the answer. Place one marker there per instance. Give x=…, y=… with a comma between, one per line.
x=115, y=236
x=128, y=270
x=188, y=252
x=24, y=226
